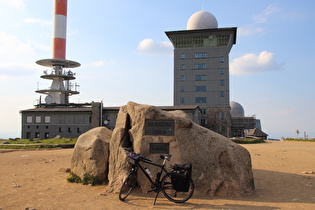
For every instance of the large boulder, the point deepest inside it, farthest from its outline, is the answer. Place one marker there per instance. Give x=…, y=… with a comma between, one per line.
x=91, y=154
x=220, y=166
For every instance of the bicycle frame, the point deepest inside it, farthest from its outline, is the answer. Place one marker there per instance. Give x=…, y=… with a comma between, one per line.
x=158, y=175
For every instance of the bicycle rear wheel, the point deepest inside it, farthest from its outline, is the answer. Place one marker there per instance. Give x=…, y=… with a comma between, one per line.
x=128, y=185
x=172, y=195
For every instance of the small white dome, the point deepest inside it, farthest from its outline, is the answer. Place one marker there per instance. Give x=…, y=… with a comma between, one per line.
x=202, y=20
x=236, y=109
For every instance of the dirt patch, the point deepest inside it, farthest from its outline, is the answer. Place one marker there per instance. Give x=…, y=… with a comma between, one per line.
x=37, y=179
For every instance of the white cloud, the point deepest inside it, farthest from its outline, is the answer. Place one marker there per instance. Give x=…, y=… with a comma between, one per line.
x=150, y=47
x=12, y=45
x=8, y=70
x=287, y=111
x=253, y=64
x=34, y=20
x=248, y=30
x=20, y=4
x=255, y=27
x=263, y=17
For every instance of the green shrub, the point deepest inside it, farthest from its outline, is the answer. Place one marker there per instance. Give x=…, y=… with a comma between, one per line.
x=248, y=141
x=91, y=180
x=73, y=178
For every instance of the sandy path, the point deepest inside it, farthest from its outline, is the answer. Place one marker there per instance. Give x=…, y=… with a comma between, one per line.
x=34, y=179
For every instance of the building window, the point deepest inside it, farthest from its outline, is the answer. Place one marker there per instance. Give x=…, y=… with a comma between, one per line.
x=200, y=55
x=69, y=130
x=203, y=111
x=36, y=134
x=182, y=56
x=200, y=77
x=221, y=71
x=200, y=88
x=47, y=119
x=221, y=59
x=200, y=100
x=182, y=89
x=222, y=82
x=182, y=78
x=46, y=126
x=200, y=66
x=222, y=94
x=78, y=130
x=46, y=135
x=182, y=100
x=29, y=119
x=38, y=119
x=60, y=130
x=222, y=116
x=182, y=67
x=204, y=122
x=28, y=135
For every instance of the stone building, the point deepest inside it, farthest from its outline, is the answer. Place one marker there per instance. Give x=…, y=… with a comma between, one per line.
x=201, y=69
x=71, y=120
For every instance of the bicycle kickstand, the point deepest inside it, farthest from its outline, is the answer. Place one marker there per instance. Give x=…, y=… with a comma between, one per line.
x=157, y=194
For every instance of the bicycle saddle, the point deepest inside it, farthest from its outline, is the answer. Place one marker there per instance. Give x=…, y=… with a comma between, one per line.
x=167, y=157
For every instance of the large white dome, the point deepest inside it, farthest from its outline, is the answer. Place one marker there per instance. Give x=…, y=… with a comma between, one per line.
x=202, y=20
x=236, y=109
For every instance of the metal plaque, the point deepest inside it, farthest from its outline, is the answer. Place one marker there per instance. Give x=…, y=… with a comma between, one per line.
x=159, y=127
x=159, y=148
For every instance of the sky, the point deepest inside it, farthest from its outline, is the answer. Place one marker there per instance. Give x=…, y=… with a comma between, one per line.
x=126, y=56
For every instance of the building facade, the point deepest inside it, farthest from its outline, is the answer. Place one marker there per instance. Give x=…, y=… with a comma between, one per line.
x=201, y=69
x=50, y=121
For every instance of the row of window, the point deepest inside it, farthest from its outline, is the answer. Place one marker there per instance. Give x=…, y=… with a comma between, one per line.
x=202, y=55
x=38, y=119
x=198, y=66
x=46, y=134
x=201, y=100
x=201, y=41
x=200, y=78
x=200, y=88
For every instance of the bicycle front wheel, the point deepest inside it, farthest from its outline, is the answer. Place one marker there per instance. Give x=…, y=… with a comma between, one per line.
x=172, y=195
x=128, y=185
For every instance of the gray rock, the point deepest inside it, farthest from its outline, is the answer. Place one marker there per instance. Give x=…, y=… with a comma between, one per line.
x=220, y=166
x=91, y=153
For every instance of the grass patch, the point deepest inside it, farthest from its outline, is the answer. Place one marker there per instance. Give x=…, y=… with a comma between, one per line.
x=73, y=178
x=37, y=143
x=248, y=141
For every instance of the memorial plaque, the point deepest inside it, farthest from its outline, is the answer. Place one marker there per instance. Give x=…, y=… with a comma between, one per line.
x=159, y=127
x=159, y=148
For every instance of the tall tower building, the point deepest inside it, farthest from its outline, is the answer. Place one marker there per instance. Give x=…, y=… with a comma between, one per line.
x=61, y=87
x=201, y=69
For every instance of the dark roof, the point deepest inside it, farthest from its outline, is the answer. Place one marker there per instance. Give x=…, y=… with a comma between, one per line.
x=68, y=109
x=88, y=109
x=166, y=108
x=256, y=132
x=186, y=107
x=199, y=31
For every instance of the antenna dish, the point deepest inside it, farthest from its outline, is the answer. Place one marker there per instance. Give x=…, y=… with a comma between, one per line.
x=48, y=99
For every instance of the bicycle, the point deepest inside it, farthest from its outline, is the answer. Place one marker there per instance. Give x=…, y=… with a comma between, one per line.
x=176, y=185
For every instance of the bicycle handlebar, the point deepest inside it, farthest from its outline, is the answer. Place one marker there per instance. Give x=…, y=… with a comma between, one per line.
x=136, y=156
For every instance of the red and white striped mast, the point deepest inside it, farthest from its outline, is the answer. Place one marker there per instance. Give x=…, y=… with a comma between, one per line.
x=60, y=29
x=61, y=88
